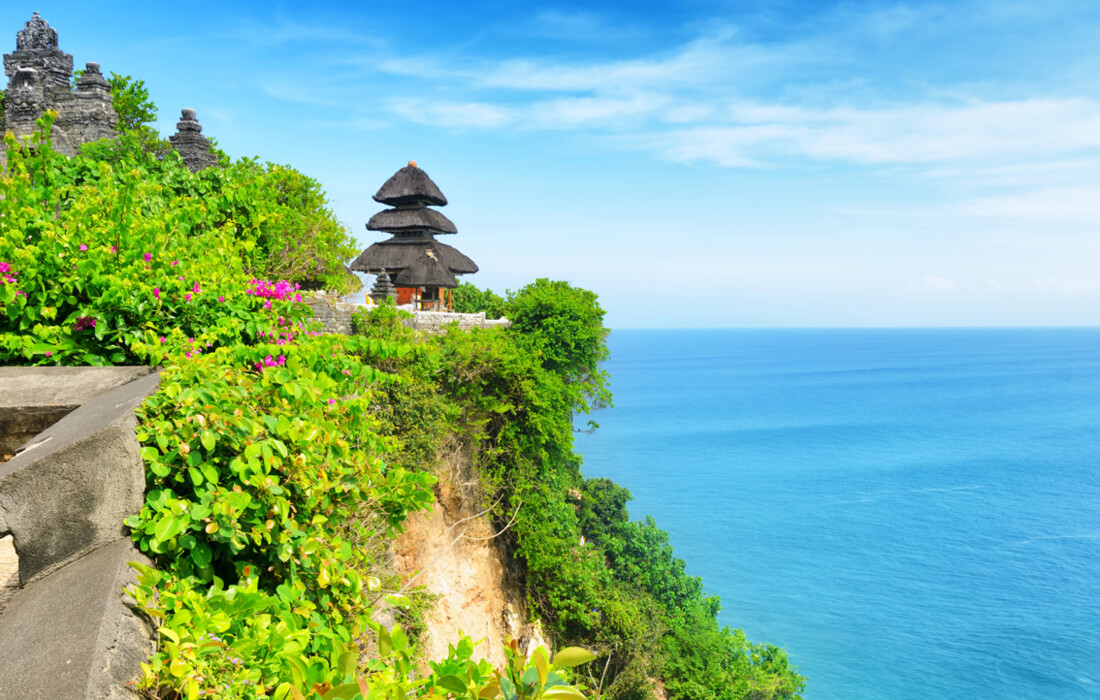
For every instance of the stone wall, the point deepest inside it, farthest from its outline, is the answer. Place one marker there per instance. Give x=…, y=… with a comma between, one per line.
x=335, y=314
x=66, y=628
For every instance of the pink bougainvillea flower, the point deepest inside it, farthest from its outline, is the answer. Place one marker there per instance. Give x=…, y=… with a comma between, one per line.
x=148, y=257
x=156, y=292
x=175, y=262
x=83, y=322
x=114, y=249
x=83, y=247
x=162, y=339
x=221, y=299
x=187, y=296
x=49, y=353
x=196, y=289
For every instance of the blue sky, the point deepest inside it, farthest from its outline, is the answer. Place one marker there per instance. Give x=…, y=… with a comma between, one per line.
x=696, y=164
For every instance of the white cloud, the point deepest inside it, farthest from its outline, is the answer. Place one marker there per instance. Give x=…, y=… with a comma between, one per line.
x=941, y=285
x=1068, y=204
x=1066, y=286
x=452, y=115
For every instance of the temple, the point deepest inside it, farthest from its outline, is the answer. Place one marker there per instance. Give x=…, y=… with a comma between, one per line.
x=39, y=78
x=419, y=269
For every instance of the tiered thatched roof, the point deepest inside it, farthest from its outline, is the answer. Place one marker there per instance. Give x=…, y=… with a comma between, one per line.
x=412, y=257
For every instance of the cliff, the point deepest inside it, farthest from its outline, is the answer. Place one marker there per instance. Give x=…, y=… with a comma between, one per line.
x=456, y=555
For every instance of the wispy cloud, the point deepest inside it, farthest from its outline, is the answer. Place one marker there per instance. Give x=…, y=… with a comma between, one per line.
x=1071, y=204
x=941, y=285
x=728, y=97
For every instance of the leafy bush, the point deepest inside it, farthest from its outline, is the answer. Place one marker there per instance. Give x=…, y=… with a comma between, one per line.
x=468, y=299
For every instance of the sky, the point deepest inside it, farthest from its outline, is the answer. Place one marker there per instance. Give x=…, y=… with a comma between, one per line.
x=696, y=164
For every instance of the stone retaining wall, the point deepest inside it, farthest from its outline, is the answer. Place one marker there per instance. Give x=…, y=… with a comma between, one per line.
x=336, y=314
x=67, y=631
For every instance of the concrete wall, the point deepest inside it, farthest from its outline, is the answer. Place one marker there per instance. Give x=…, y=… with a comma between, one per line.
x=66, y=628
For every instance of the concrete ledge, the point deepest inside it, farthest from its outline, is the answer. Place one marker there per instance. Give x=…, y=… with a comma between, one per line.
x=34, y=398
x=68, y=490
x=72, y=636
x=51, y=386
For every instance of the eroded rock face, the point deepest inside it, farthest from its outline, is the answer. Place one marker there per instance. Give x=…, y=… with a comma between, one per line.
x=39, y=78
x=9, y=571
x=453, y=553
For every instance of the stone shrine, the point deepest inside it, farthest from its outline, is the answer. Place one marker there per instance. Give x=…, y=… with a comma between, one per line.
x=193, y=147
x=39, y=78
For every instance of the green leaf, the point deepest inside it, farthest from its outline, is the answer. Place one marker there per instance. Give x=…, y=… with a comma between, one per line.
x=572, y=656
x=201, y=555
x=452, y=683
x=208, y=439
x=167, y=527
x=343, y=692
x=385, y=643
x=347, y=662
x=562, y=692
x=399, y=601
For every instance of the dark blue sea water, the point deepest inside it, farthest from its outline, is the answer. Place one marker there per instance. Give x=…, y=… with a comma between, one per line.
x=910, y=513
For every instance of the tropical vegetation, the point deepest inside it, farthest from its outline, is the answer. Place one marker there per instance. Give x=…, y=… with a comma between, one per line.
x=281, y=461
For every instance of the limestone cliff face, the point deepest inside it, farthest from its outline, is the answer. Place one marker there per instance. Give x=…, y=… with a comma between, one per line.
x=452, y=551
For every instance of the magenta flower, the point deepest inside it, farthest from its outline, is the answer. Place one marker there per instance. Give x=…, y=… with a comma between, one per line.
x=187, y=296
x=175, y=262
x=156, y=292
x=148, y=257
x=331, y=401
x=49, y=353
x=83, y=322
x=221, y=299
x=83, y=247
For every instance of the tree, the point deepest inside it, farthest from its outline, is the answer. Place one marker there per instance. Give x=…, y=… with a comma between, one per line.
x=131, y=101
x=564, y=326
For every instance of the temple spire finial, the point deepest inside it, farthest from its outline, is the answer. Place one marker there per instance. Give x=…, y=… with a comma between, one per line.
x=36, y=34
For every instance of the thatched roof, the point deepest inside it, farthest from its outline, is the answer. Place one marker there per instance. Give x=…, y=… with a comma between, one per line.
x=425, y=271
x=410, y=185
x=399, y=252
x=410, y=219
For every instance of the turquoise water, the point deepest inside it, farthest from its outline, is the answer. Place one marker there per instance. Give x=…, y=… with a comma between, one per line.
x=910, y=513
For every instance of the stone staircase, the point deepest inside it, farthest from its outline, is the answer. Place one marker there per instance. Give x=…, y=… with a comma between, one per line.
x=66, y=630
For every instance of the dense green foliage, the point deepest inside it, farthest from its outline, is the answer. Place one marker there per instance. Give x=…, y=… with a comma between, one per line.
x=269, y=496
x=469, y=299
x=115, y=239
x=130, y=98
x=592, y=575
x=279, y=460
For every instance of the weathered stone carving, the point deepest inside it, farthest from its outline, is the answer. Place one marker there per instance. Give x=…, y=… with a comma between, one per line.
x=39, y=78
x=193, y=147
x=383, y=288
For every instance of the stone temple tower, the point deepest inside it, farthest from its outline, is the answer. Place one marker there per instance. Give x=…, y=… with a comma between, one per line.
x=39, y=78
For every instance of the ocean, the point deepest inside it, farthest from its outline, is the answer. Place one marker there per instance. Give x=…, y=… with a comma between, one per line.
x=911, y=514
